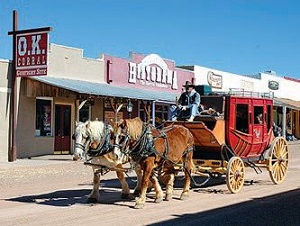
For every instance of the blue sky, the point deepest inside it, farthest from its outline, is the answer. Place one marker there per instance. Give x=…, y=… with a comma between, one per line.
x=238, y=36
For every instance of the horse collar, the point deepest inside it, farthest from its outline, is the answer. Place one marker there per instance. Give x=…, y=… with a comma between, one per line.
x=104, y=146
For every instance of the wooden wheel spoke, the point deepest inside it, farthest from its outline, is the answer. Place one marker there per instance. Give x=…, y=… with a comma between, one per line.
x=284, y=155
x=275, y=153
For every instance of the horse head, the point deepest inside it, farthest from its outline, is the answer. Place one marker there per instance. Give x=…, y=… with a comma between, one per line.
x=126, y=133
x=82, y=139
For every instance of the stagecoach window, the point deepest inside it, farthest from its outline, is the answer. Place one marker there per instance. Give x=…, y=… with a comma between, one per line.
x=258, y=115
x=269, y=116
x=241, y=122
x=43, y=117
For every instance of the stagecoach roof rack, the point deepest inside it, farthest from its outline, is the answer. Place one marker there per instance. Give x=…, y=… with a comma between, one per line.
x=244, y=93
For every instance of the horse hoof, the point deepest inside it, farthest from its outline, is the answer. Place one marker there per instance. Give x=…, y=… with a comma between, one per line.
x=136, y=192
x=138, y=206
x=92, y=200
x=125, y=196
x=149, y=189
x=168, y=197
x=158, y=200
x=184, y=197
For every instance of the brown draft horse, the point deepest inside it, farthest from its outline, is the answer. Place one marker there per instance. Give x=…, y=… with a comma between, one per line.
x=157, y=151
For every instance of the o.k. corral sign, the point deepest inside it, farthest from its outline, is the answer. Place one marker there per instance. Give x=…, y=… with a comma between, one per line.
x=31, y=54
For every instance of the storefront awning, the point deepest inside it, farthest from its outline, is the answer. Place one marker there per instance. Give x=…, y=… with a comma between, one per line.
x=287, y=102
x=103, y=89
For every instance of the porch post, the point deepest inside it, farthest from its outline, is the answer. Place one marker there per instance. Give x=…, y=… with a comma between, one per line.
x=284, y=121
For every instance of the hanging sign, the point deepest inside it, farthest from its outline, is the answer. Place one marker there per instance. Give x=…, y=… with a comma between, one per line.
x=31, y=54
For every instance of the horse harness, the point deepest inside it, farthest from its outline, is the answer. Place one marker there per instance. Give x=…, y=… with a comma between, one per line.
x=104, y=146
x=144, y=147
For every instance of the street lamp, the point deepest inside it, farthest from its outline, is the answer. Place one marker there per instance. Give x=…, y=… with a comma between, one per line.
x=129, y=108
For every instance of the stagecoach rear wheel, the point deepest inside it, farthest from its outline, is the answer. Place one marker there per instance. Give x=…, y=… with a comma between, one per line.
x=235, y=174
x=278, y=160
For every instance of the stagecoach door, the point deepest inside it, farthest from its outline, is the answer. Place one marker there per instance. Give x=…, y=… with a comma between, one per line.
x=62, y=129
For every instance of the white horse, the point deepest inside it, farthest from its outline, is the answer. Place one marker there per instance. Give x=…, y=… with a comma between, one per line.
x=92, y=140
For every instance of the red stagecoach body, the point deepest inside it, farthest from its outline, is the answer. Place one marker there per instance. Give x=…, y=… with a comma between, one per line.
x=233, y=130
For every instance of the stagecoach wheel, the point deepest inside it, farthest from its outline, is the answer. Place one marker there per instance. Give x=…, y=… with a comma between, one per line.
x=278, y=160
x=235, y=174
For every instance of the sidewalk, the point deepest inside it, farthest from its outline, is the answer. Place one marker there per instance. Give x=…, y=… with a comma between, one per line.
x=37, y=161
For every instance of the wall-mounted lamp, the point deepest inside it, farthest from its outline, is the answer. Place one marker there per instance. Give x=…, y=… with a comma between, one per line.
x=129, y=106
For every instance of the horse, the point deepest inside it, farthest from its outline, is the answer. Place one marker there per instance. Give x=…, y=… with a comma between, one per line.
x=157, y=152
x=93, y=141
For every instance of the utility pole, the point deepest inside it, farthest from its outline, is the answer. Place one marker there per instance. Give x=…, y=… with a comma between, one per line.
x=12, y=156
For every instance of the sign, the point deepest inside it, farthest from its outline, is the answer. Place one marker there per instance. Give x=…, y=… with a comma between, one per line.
x=273, y=85
x=214, y=80
x=152, y=71
x=247, y=85
x=110, y=115
x=31, y=54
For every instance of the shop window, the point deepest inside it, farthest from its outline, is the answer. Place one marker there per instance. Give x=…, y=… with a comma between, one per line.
x=161, y=113
x=84, y=113
x=143, y=115
x=241, y=121
x=43, y=125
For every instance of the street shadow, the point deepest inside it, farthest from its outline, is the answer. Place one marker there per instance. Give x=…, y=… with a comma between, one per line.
x=110, y=193
x=63, y=198
x=57, y=198
x=279, y=209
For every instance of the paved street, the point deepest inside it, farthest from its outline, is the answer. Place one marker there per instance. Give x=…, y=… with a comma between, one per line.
x=52, y=190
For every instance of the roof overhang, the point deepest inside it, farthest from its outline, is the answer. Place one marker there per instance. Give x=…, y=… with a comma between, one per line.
x=103, y=89
x=287, y=103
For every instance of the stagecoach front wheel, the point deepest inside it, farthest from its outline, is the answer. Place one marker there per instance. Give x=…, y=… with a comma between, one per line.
x=235, y=174
x=278, y=160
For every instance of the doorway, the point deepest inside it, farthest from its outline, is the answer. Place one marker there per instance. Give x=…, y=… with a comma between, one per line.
x=62, y=141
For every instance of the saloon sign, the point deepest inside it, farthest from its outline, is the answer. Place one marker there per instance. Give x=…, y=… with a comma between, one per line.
x=152, y=71
x=31, y=54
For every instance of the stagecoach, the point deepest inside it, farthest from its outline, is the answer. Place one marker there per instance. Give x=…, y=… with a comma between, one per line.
x=233, y=131
x=236, y=131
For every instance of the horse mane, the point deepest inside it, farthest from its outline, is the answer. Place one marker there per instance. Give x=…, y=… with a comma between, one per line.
x=95, y=129
x=134, y=127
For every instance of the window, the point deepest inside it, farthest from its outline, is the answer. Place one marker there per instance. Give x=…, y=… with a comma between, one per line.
x=258, y=115
x=161, y=114
x=269, y=116
x=84, y=113
x=43, y=117
x=241, y=122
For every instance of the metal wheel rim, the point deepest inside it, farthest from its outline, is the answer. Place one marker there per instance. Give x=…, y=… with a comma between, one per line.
x=278, y=160
x=235, y=174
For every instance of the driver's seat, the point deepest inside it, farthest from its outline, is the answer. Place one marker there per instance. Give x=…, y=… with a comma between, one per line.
x=184, y=115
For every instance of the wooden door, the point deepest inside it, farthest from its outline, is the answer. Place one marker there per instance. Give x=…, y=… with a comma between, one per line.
x=62, y=129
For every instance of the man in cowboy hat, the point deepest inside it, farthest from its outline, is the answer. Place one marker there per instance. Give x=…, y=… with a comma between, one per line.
x=188, y=101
